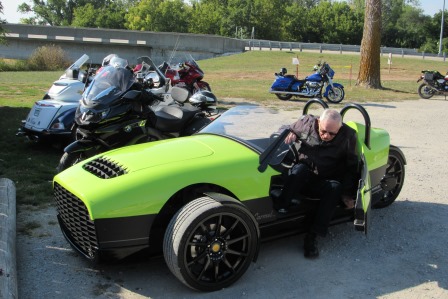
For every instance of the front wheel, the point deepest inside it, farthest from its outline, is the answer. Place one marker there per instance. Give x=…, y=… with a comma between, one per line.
x=335, y=95
x=425, y=91
x=393, y=179
x=69, y=159
x=208, y=245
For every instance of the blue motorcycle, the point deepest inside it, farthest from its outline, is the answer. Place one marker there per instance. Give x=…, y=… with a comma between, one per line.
x=286, y=86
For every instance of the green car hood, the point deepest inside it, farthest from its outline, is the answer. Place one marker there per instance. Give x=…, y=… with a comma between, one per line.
x=153, y=172
x=147, y=155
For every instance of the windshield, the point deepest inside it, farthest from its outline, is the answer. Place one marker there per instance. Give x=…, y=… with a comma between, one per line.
x=254, y=126
x=78, y=63
x=108, y=85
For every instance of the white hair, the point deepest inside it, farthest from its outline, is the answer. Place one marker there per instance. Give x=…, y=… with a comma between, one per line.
x=331, y=114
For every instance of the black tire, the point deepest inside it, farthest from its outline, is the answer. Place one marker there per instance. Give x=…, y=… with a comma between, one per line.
x=335, y=95
x=283, y=97
x=69, y=159
x=202, y=257
x=425, y=91
x=395, y=170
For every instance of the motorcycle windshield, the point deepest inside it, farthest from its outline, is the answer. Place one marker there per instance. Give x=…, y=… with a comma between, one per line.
x=78, y=63
x=107, y=87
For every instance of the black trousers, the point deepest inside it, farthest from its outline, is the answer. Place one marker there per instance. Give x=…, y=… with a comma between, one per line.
x=303, y=182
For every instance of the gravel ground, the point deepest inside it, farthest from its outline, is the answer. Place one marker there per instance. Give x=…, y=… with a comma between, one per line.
x=403, y=256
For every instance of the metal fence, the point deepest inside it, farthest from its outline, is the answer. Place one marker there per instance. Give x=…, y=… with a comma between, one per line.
x=264, y=45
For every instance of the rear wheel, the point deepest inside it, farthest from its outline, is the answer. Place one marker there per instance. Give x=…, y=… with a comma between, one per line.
x=69, y=159
x=393, y=178
x=335, y=95
x=283, y=97
x=425, y=91
x=208, y=245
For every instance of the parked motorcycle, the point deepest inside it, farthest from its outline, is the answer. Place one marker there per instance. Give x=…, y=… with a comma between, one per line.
x=187, y=74
x=51, y=119
x=286, y=86
x=116, y=110
x=434, y=83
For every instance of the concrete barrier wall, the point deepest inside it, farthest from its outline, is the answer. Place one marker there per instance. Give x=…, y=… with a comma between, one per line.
x=97, y=43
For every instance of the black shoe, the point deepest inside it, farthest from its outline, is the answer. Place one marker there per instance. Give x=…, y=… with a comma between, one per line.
x=310, y=246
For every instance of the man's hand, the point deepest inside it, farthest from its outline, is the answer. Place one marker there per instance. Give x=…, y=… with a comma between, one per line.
x=290, y=138
x=348, y=201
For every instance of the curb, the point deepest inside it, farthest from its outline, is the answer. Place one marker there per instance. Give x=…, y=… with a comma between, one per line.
x=8, y=270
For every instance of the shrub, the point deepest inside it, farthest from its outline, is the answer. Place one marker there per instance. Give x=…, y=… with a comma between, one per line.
x=48, y=58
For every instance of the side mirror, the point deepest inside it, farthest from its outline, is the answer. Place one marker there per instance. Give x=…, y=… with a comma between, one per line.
x=72, y=73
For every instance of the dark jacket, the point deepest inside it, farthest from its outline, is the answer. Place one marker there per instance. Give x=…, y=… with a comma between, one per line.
x=335, y=160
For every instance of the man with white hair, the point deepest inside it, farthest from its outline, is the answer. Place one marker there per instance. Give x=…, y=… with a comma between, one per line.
x=327, y=169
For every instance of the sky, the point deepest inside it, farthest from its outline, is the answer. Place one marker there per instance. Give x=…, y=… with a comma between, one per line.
x=10, y=14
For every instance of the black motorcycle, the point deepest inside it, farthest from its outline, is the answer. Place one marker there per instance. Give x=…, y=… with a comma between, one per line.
x=116, y=110
x=434, y=83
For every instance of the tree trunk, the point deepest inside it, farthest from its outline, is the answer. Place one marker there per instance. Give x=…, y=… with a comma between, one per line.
x=369, y=66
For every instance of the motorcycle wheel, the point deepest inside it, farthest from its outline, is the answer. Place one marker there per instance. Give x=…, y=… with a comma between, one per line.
x=283, y=97
x=335, y=95
x=425, y=92
x=69, y=159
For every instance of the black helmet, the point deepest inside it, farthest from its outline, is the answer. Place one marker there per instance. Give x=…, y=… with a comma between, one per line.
x=203, y=98
x=283, y=71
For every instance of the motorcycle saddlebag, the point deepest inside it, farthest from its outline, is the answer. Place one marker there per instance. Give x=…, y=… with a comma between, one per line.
x=429, y=76
x=282, y=84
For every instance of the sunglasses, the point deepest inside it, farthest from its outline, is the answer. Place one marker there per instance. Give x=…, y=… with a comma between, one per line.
x=327, y=132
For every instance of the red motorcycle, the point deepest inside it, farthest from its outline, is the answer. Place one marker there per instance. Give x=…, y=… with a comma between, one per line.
x=187, y=75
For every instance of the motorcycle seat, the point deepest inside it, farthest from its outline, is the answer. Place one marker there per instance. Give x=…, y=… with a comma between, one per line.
x=173, y=118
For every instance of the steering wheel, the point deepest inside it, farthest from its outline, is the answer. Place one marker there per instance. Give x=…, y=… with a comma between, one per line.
x=294, y=160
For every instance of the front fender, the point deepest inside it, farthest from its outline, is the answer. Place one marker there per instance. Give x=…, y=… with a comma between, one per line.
x=330, y=87
x=81, y=145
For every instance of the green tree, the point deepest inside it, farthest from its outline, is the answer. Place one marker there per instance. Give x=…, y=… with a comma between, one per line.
x=2, y=31
x=432, y=34
x=238, y=17
x=410, y=28
x=111, y=16
x=159, y=15
x=334, y=23
x=206, y=17
x=55, y=12
x=267, y=19
x=296, y=22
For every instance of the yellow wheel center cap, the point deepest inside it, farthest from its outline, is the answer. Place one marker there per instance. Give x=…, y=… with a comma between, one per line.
x=216, y=247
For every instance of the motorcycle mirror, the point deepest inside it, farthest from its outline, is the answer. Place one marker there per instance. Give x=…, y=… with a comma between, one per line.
x=131, y=95
x=72, y=73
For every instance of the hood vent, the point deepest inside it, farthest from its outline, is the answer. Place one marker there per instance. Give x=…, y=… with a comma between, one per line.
x=104, y=168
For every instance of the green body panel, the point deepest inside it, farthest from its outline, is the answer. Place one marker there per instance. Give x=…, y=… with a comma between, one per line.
x=375, y=157
x=378, y=153
x=157, y=170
